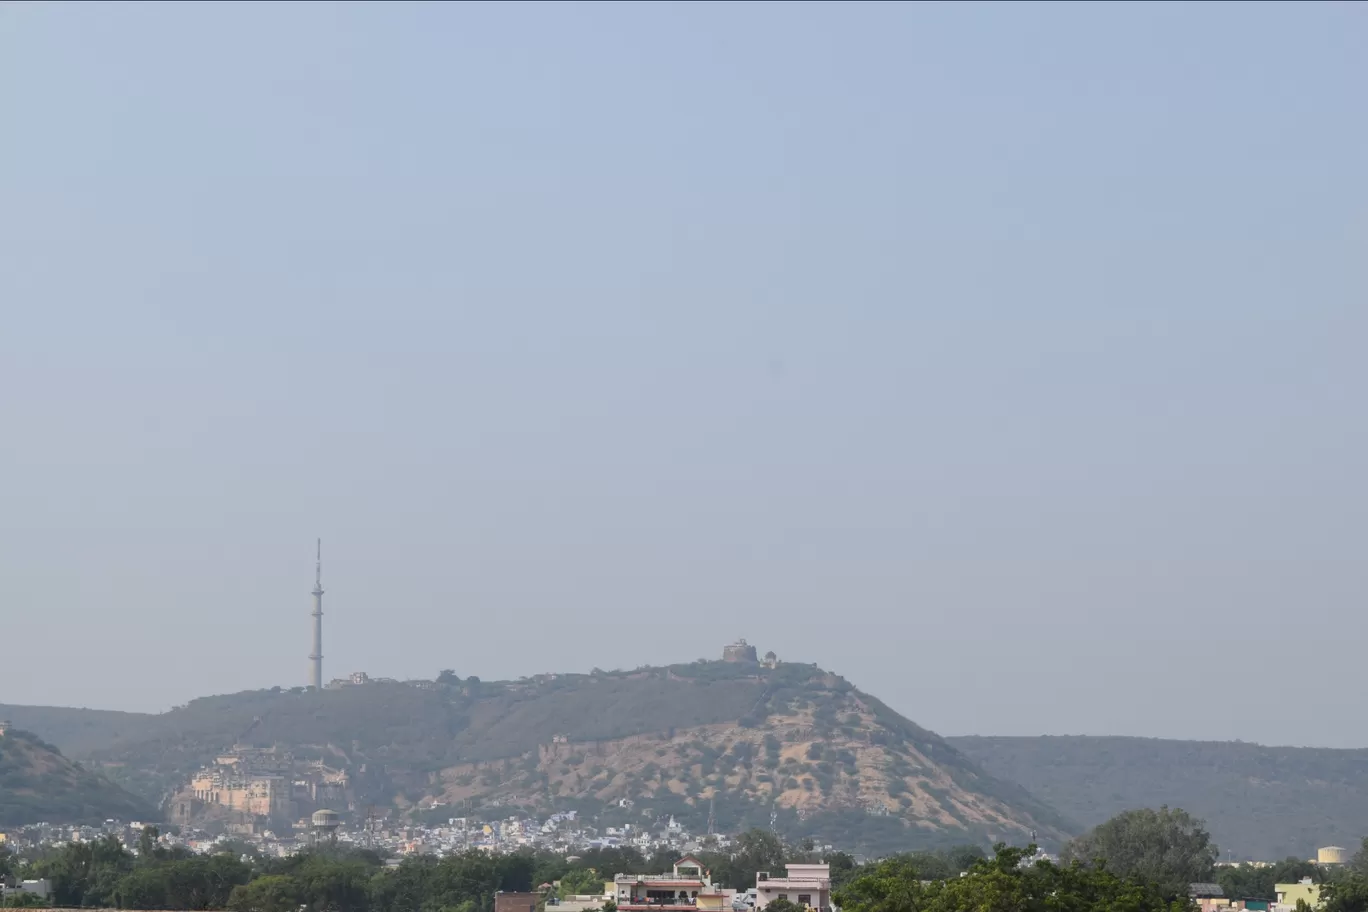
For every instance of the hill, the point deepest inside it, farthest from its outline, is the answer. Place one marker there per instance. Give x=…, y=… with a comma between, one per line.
x=77, y=731
x=746, y=741
x=38, y=784
x=1260, y=803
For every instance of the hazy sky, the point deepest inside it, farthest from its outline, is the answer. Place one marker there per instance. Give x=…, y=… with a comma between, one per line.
x=1008, y=360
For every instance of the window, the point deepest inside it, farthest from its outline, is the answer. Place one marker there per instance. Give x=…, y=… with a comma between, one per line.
x=804, y=899
x=783, y=896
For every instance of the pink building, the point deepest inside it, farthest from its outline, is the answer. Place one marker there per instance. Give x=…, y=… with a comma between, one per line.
x=807, y=885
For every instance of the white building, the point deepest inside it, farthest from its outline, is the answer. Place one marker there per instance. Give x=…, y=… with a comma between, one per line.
x=40, y=888
x=807, y=885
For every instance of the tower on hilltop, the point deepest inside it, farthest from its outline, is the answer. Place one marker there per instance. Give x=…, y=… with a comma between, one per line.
x=740, y=651
x=316, y=657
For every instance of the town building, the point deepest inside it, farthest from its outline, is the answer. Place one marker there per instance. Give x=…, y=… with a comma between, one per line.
x=678, y=890
x=1304, y=889
x=806, y=885
x=1208, y=897
x=40, y=888
x=260, y=795
x=516, y=902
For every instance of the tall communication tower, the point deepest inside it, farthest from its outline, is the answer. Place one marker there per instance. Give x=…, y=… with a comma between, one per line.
x=316, y=657
x=372, y=824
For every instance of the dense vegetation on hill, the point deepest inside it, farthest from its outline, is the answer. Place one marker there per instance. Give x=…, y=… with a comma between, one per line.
x=792, y=741
x=38, y=784
x=1260, y=803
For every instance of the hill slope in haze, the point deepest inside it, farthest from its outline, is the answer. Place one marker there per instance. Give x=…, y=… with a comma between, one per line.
x=792, y=741
x=1261, y=803
x=38, y=784
x=77, y=732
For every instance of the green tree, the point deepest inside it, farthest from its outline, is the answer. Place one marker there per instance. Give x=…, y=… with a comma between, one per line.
x=85, y=873
x=582, y=882
x=843, y=868
x=1346, y=893
x=1359, y=863
x=147, y=842
x=143, y=888
x=1005, y=883
x=783, y=905
x=1168, y=848
x=963, y=857
x=203, y=881
x=891, y=885
x=271, y=893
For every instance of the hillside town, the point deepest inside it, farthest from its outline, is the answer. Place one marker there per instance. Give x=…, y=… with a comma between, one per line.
x=562, y=833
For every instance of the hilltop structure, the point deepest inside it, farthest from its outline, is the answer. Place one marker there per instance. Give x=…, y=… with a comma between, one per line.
x=250, y=783
x=740, y=651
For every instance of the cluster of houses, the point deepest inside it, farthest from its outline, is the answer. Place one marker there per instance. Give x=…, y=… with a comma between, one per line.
x=1210, y=897
x=688, y=887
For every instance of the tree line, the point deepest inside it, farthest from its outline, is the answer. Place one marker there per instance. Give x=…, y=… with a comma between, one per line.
x=104, y=874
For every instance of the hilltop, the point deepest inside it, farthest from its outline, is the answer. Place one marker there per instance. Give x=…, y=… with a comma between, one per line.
x=38, y=784
x=739, y=739
x=1259, y=802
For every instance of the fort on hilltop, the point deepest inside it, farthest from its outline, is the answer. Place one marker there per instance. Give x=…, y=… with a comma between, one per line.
x=740, y=651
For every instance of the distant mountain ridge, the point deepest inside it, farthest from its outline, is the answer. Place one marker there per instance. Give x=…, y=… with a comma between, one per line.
x=792, y=743
x=1260, y=803
x=38, y=784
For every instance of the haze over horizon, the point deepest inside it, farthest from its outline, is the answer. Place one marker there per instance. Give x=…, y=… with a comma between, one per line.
x=1005, y=359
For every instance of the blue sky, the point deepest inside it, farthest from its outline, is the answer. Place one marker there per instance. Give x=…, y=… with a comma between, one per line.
x=1006, y=359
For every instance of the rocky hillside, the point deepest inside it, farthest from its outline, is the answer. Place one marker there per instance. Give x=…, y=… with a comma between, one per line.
x=38, y=784
x=1261, y=803
x=793, y=743
x=835, y=762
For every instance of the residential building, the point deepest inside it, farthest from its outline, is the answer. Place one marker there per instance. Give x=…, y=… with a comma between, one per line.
x=680, y=889
x=1209, y=897
x=715, y=899
x=1304, y=889
x=806, y=885
x=39, y=888
x=516, y=902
